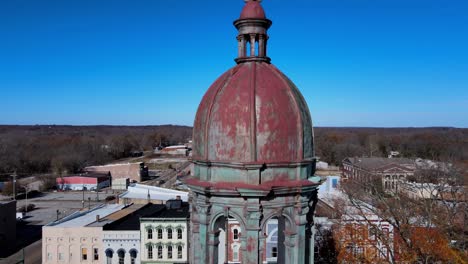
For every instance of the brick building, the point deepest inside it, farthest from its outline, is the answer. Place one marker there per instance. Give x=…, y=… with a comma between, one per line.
x=136, y=172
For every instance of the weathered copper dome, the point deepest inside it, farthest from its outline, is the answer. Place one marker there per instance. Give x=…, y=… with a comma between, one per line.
x=253, y=126
x=253, y=114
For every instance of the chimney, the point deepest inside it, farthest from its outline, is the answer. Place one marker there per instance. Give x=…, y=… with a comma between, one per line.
x=178, y=197
x=97, y=218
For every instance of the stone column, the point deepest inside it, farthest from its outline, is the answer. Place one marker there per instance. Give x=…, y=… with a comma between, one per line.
x=240, y=48
x=244, y=46
x=261, y=45
x=213, y=242
x=262, y=247
x=251, y=234
x=252, y=45
x=200, y=246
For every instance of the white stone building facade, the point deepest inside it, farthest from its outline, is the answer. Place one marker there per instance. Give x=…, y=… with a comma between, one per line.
x=164, y=240
x=122, y=246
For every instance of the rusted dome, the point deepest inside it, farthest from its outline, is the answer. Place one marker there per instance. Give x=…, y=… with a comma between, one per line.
x=253, y=114
x=252, y=9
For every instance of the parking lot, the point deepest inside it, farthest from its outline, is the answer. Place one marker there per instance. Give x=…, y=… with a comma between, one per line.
x=50, y=205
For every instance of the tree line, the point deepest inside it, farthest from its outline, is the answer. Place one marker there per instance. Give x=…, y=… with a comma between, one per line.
x=332, y=145
x=68, y=149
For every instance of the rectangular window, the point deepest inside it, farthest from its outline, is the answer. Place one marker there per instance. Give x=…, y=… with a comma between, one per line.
x=84, y=254
x=150, y=252
x=160, y=233
x=49, y=256
x=160, y=255
x=274, y=252
x=179, y=252
x=169, y=233
x=179, y=233
x=235, y=253
x=96, y=254
x=61, y=257
x=334, y=183
x=236, y=234
x=169, y=252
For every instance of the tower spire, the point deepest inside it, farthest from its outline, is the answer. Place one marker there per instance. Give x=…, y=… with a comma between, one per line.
x=252, y=26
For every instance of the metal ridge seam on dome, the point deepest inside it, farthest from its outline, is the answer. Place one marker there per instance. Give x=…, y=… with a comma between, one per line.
x=253, y=114
x=232, y=72
x=299, y=121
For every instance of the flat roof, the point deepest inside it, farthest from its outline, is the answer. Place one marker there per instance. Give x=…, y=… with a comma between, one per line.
x=140, y=191
x=132, y=220
x=84, y=218
x=182, y=212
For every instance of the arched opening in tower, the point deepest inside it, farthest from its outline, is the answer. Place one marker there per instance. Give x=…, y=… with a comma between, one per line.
x=229, y=247
x=227, y=239
x=274, y=250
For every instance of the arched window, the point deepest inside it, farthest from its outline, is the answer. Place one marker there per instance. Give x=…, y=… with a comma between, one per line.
x=121, y=255
x=150, y=252
x=179, y=252
x=150, y=233
x=160, y=233
x=169, y=233
x=169, y=252
x=133, y=256
x=179, y=233
x=160, y=252
x=235, y=253
x=109, y=254
x=61, y=254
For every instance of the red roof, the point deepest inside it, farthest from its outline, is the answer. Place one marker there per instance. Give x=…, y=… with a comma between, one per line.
x=253, y=113
x=252, y=9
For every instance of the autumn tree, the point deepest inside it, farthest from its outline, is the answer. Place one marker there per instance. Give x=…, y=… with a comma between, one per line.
x=429, y=228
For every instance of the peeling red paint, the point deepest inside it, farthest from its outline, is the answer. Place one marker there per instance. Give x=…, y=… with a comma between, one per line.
x=231, y=130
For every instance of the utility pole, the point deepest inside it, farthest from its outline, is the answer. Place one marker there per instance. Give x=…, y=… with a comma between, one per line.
x=26, y=207
x=14, y=184
x=82, y=200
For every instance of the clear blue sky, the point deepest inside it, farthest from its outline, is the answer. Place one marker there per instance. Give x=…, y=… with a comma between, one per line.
x=357, y=62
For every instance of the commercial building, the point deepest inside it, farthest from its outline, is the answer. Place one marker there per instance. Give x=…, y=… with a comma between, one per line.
x=74, y=239
x=143, y=194
x=176, y=150
x=121, y=238
x=87, y=181
x=164, y=234
x=136, y=172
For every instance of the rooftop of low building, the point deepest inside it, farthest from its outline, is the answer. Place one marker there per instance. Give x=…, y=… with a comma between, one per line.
x=377, y=162
x=131, y=221
x=178, y=211
x=84, y=218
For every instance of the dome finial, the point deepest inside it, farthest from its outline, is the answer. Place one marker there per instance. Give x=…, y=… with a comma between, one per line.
x=252, y=37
